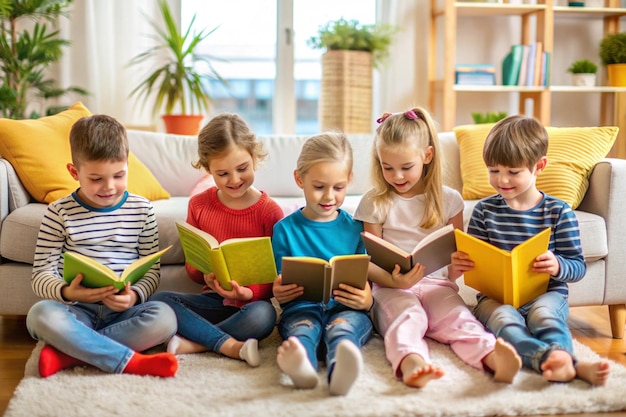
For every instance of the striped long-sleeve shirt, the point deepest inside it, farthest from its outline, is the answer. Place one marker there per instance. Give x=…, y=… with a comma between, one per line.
x=495, y=222
x=114, y=236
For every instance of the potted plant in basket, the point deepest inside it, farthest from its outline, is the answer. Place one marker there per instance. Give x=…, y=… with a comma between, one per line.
x=583, y=73
x=352, y=50
x=178, y=83
x=613, y=56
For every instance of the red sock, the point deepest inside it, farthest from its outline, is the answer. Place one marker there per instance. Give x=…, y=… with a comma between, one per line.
x=160, y=364
x=52, y=361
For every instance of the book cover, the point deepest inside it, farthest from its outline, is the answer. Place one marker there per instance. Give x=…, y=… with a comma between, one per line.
x=97, y=275
x=523, y=69
x=511, y=65
x=530, y=71
x=320, y=277
x=245, y=260
x=434, y=251
x=504, y=276
x=538, y=63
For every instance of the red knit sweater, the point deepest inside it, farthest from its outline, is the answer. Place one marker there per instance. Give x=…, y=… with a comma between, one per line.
x=206, y=212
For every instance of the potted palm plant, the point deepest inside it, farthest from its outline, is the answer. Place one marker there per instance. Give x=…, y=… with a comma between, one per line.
x=176, y=81
x=26, y=91
x=583, y=73
x=352, y=50
x=613, y=56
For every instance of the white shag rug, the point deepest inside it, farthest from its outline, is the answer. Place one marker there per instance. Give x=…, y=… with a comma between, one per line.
x=211, y=385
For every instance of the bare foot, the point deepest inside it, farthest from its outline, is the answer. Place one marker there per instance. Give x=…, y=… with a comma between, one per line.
x=558, y=367
x=178, y=345
x=595, y=373
x=417, y=373
x=293, y=361
x=348, y=365
x=504, y=361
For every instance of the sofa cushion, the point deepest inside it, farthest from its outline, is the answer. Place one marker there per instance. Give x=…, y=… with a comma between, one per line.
x=572, y=154
x=39, y=151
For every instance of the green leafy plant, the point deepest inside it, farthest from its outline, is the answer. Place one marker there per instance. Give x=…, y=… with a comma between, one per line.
x=178, y=78
x=350, y=35
x=488, y=117
x=583, y=66
x=613, y=49
x=25, y=55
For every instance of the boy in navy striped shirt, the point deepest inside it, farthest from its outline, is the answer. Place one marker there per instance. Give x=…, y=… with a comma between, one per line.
x=101, y=219
x=515, y=153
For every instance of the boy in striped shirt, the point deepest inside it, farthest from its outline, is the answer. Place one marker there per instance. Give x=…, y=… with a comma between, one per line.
x=101, y=219
x=515, y=153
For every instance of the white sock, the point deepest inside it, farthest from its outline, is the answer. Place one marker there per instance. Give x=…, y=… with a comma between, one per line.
x=173, y=344
x=249, y=352
x=348, y=363
x=293, y=361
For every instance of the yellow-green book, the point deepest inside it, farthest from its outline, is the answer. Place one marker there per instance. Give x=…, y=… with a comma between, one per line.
x=504, y=276
x=248, y=260
x=97, y=275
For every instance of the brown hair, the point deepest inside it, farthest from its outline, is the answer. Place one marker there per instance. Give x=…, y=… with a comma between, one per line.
x=516, y=141
x=222, y=133
x=98, y=138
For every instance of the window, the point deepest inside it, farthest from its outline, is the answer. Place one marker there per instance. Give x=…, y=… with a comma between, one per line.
x=273, y=98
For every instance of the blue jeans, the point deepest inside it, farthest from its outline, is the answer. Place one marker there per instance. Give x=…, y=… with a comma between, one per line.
x=99, y=336
x=203, y=318
x=334, y=322
x=534, y=329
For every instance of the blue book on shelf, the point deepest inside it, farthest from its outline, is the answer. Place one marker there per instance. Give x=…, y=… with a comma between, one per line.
x=475, y=74
x=530, y=72
x=511, y=65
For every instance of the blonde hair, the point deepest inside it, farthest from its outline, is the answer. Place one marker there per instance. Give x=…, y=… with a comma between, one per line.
x=223, y=132
x=413, y=128
x=516, y=141
x=98, y=138
x=325, y=147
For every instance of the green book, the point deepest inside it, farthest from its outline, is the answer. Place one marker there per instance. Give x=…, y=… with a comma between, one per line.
x=511, y=65
x=97, y=275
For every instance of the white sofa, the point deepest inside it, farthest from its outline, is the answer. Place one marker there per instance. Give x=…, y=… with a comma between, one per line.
x=169, y=157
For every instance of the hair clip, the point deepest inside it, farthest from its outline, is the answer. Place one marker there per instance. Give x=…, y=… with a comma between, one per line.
x=383, y=117
x=410, y=114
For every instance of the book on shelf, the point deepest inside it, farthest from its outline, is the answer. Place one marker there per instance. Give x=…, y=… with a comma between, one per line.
x=475, y=74
x=511, y=65
x=523, y=69
x=545, y=73
x=434, y=251
x=98, y=275
x=538, y=63
x=504, y=276
x=530, y=70
x=248, y=260
x=320, y=278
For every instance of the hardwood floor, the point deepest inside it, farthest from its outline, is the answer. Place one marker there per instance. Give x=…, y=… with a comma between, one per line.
x=590, y=326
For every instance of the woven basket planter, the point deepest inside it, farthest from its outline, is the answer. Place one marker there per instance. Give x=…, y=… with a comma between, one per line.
x=346, y=97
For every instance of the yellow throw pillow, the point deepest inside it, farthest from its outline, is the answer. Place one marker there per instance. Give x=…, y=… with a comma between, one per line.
x=39, y=150
x=572, y=154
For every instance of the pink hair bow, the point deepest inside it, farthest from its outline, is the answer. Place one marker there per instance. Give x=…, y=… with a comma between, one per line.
x=383, y=117
x=410, y=114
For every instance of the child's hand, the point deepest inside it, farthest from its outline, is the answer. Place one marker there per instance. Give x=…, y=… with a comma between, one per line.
x=547, y=262
x=460, y=263
x=237, y=293
x=121, y=301
x=209, y=279
x=286, y=293
x=354, y=297
x=76, y=292
x=409, y=279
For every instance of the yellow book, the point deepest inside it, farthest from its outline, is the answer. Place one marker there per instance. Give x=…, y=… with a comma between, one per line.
x=506, y=277
x=320, y=277
x=97, y=275
x=434, y=251
x=247, y=261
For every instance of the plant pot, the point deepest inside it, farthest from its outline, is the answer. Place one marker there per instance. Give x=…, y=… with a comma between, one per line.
x=584, y=80
x=346, y=95
x=617, y=75
x=182, y=124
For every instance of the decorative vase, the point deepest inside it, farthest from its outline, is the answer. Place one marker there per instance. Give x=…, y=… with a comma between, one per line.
x=584, y=80
x=346, y=95
x=617, y=75
x=182, y=124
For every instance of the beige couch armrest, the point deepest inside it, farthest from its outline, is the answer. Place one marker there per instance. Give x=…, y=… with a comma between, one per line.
x=12, y=193
x=606, y=197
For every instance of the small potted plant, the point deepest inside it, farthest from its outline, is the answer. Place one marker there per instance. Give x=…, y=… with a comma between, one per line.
x=613, y=56
x=583, y=73
x=175, y=82
x=488, y=117
x=351, y=51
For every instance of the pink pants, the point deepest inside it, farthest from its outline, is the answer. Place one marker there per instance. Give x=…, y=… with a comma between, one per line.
x=431, y=308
